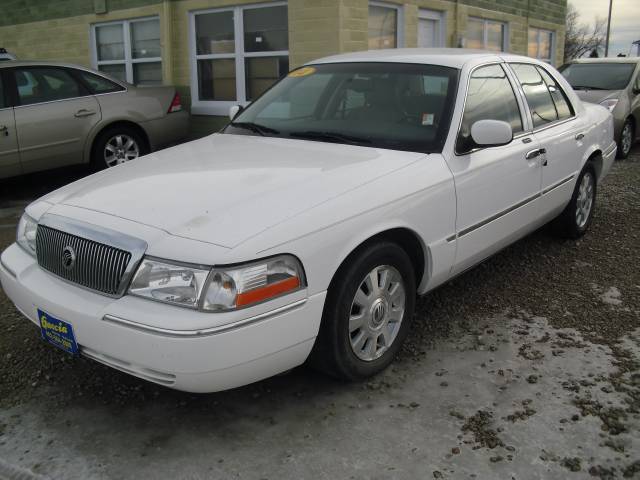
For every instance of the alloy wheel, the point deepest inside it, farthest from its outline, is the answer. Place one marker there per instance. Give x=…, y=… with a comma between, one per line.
x=584, y=201
x=119, y=149
x=376, y=312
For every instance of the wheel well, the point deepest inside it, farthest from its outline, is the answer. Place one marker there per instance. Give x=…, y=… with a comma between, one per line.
x=403, y=237
x=595, y=159
x=123, y=123
x=633, y=120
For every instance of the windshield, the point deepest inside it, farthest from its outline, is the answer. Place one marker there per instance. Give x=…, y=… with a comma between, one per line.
x=385, y=105
x=598, y=76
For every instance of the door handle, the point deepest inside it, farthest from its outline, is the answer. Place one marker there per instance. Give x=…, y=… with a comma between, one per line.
x=84, y=113
x=4, y=130
x=579, y=136
x=531, y=154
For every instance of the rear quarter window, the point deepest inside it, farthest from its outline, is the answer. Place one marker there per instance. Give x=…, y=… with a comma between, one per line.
x=98, y=84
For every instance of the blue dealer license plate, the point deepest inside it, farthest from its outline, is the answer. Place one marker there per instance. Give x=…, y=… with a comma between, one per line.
x=57, y=332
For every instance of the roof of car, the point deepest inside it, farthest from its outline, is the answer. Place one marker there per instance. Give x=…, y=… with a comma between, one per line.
x=607, y=60
x=448, y=57
x=31, y=63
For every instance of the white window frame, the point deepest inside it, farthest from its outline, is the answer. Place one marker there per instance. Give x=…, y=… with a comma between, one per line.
x=399, y=19
x=485, y=32
x=438, y=16
x=553, y=44
x=221, y=107
x=128, y=60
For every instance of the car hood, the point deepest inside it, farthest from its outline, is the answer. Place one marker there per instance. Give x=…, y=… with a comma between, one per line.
x=597, y=96
x=224, y=189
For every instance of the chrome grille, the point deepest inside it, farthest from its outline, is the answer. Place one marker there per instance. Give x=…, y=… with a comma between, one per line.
x=95, y=265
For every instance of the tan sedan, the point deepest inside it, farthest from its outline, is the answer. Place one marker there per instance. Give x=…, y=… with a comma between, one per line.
x=54, y=114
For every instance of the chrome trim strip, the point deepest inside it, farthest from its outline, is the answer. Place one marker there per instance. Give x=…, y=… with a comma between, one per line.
x=557, y=184
x=611, y=148
x=9, y=271
x=16, y=107
x=511, y=208
x=206, y=331
x=554, y=124
x=497, y=215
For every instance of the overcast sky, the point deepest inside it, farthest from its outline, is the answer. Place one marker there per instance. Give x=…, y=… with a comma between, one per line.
x=625, y=20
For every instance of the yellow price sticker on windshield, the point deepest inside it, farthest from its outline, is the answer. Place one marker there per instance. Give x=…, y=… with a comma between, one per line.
x=302, y=72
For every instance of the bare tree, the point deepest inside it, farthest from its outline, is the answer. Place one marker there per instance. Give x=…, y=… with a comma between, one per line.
x=581, y=38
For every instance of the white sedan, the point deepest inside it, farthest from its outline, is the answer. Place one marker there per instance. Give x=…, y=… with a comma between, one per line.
x=305, y=229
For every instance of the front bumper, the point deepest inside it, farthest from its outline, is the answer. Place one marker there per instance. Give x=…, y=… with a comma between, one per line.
x=116, y=332
x=608, y=157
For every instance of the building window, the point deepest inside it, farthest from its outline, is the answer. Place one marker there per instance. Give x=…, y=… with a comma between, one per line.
x=385, y=26
x=431, y=29
x=541, y=44
x=237, y=53
x=129, y=50
x=487, y=35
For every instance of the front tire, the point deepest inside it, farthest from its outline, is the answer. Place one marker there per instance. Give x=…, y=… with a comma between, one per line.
x=575, y=219
x=367, y=313
x=627, y=137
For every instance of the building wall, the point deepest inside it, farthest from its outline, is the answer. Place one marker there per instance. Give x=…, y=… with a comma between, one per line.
x=59, y=30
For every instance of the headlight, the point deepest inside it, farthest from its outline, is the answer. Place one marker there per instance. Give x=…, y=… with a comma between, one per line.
x=168, y=282
x=217, y=289
x=252, y=283
x=26, y=235
x=610, y=103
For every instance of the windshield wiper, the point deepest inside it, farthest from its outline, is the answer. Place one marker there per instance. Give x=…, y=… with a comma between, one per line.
x=256, y=128
x=582, y=87
x=330, y=137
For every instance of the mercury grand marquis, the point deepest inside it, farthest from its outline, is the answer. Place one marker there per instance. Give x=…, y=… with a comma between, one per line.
x=304, y=230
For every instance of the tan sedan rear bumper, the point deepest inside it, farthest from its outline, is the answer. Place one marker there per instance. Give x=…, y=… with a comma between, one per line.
x=168, y=130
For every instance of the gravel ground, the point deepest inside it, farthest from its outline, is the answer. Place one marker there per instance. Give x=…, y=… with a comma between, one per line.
x=526, y=367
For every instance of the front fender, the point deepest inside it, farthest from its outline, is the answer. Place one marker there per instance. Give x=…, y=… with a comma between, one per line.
x=426, y=211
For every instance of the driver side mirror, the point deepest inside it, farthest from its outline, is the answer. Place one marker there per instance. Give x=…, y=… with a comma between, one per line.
x=234, y=111
x=491, y=133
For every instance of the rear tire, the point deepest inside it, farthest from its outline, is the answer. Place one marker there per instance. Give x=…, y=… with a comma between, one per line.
x=627, y=138
x=575, y=219
x=364, y=324
x=115, y=145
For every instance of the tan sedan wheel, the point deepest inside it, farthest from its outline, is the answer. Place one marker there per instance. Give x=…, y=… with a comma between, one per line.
x=117, y=145
x=119, y=149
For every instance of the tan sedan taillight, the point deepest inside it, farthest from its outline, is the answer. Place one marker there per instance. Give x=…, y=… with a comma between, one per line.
x=176, y=105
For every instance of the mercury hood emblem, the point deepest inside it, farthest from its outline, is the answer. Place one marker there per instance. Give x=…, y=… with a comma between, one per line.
x=68, y=257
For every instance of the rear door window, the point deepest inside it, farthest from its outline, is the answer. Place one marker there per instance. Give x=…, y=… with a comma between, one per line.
x=46, y=84
x=547, y=102
x=99, y=84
